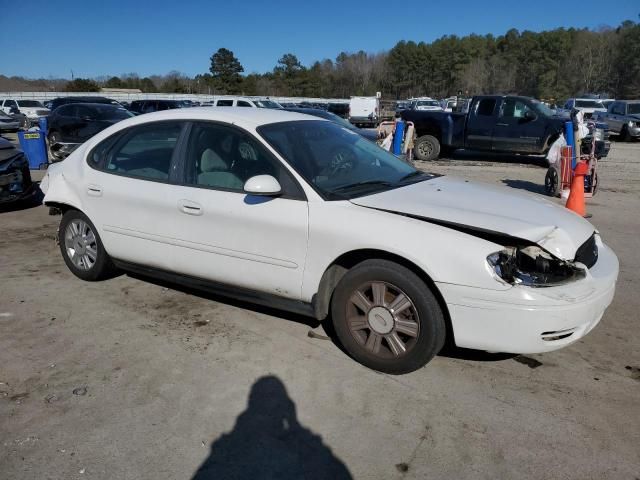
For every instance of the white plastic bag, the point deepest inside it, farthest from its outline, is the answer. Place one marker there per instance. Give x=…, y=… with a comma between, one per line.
x=583, y=130
x=386, y=143
x=553, y=156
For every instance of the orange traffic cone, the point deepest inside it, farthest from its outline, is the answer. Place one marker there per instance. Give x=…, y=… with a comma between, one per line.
x=575, y=201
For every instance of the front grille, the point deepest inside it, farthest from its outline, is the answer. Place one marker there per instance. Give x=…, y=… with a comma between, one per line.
x=42, y=112
x=588, y=252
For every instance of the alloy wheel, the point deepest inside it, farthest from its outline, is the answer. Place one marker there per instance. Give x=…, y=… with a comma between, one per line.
x=80, y=244
x=383, y=319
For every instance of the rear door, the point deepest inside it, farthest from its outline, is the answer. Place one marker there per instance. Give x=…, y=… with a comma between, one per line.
x=480, y=123
x=128, y=192
x=519, y=127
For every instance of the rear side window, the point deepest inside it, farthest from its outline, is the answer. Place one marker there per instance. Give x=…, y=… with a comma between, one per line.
x=143, y=152
x=486, y=106
x=65, y=111
x=224, y=103
x=242, y=103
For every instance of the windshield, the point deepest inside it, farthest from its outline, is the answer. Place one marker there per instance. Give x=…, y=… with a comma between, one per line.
x=427, y=103
x=633, y=108
x=338, y=162
x=589, y=104
x=542, y=108
x=266, y=104
x=29, y=103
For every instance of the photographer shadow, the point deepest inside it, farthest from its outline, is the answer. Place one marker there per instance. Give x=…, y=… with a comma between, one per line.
x=268, y=442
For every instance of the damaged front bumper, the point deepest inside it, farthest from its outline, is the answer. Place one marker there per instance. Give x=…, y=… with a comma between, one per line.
x=532, y=320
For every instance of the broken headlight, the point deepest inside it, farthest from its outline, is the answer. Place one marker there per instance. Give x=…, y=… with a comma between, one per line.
x=532, y=266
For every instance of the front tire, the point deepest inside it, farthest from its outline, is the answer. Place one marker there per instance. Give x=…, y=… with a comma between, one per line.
x=427, y=148
x=624, y=134
x=82, y=248
x=387, y=318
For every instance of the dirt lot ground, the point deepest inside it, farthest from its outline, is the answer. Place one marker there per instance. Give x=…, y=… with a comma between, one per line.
x=131, y=379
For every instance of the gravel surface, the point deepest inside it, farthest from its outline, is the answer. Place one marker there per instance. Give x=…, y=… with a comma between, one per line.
x=133, y=379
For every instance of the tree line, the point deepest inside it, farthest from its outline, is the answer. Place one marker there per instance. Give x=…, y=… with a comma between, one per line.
x=554, y=64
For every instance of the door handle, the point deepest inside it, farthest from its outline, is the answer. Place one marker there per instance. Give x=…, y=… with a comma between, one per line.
x=502, y=124
x=94, y=190
x=189, y=207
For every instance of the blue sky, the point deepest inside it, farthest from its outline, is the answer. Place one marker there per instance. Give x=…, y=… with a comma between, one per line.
x=42, y=38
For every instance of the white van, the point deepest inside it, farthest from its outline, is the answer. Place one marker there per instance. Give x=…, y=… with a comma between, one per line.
x=246, y=102
x=364, y=111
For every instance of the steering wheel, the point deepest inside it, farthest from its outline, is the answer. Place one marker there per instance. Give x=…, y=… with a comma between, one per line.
x=342, y=161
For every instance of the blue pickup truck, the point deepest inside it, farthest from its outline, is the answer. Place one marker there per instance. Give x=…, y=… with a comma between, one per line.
x=495, y=123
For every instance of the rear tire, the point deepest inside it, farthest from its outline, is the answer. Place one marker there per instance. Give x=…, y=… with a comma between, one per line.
x=427, y=148
x=387, y=318
x=551, y=182
x=82, y=248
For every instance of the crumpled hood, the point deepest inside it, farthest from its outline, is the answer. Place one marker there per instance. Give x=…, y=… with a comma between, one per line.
x=450, y=200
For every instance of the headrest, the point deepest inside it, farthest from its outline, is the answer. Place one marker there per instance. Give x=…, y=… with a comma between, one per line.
x=210, y=161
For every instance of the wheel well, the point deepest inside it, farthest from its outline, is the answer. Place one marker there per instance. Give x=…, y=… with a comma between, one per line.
x=346, y=261
x=430, y=131
x=57, y=208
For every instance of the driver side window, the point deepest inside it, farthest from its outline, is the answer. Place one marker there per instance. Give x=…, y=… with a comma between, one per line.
x=224, y=158
x=512, y=108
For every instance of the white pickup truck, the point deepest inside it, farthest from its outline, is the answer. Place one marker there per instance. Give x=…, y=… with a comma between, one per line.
x=33, y=109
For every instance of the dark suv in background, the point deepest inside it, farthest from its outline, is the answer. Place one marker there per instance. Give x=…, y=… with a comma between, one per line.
x=148, y=106
x=57, y=102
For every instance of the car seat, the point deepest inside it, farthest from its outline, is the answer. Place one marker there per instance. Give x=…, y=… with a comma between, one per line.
x=215, y=172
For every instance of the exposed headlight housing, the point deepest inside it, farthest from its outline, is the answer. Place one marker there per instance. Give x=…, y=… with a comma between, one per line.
x=532, y=266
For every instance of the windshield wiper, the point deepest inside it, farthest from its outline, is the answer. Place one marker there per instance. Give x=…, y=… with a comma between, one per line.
x=412, y=175
x=368, y=183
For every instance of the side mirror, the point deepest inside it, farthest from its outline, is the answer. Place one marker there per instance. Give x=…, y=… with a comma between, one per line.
x=529, y=116
x=262, y=185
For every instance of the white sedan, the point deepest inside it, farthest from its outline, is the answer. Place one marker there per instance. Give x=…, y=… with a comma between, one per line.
x=302, y=214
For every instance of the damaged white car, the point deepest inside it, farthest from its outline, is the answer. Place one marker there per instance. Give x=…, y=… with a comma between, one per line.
x=302, y=214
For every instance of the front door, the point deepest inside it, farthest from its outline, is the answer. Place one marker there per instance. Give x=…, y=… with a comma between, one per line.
x=225, y=235
x=519, y=128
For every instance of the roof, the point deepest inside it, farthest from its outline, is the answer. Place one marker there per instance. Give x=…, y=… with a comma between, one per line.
x=249, y=117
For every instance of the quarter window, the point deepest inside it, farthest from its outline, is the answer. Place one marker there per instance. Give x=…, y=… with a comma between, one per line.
x=145, y=152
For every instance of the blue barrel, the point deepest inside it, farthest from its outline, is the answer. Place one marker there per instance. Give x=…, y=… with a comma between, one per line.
x=34, y=147
x=398, y=137
x=568, y=134
x=43, y=123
